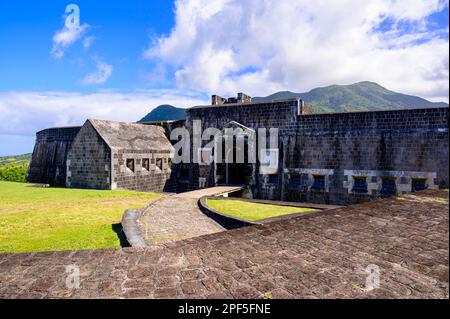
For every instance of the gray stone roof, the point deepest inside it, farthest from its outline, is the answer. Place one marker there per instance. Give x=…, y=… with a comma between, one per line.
x=131, y=136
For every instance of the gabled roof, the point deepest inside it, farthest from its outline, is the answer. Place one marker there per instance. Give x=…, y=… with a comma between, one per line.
x=236, y=125
x=131, y=136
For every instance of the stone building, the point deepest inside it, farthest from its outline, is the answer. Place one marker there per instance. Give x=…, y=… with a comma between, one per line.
x=327, y=158
x=115, y=155
x=103, y=155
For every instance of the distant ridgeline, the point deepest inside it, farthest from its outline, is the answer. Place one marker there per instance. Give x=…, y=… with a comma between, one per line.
x=362, y=96
x=14, y=168
x=165, y=113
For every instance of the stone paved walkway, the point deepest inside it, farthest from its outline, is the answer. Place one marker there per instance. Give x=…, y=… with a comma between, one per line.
x=315, y=256
x=178, y=217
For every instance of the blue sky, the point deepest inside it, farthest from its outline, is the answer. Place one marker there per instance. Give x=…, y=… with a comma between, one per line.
x=121, y=30
x=132, y=56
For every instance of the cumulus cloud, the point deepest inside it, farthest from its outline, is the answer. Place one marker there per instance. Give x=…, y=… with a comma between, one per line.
x=225, y=46
x=100, y=76
x=65, y=38
x=88, y=41
x=25, y=113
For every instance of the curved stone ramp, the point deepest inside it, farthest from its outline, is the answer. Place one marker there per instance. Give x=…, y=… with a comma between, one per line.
x=178, y=217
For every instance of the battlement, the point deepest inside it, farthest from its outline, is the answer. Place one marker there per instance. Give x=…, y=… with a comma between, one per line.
x=241, y=98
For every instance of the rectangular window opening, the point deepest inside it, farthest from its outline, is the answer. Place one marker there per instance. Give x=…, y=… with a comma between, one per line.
x=130, y=164
x=146, y=164
x=388, y=186
x=159, y=163
x=360, y=185
x=418, y=184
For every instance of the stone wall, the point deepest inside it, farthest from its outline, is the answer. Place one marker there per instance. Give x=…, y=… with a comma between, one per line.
x=282, y=115
x=48, y=163
x=155, y=179
x=323, y=156
x=404, y=146
x=89, y=161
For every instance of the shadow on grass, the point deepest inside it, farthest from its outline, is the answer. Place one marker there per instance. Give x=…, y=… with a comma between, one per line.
x=117, y=228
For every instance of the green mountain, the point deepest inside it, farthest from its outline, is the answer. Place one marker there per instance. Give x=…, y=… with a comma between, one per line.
x=362, y=96
x=165, y=113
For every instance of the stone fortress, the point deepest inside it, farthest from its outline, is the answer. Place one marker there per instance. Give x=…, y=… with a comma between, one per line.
x=103, y=155
x=332, y=158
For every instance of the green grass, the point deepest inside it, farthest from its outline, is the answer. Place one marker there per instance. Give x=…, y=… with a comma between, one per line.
x=48, y=219
x=253, y=211
x=441, y=200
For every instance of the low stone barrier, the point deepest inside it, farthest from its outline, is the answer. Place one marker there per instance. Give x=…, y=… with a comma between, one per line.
x=226, y=221
x=230, y=222
x=130, y=225
x=132, y=230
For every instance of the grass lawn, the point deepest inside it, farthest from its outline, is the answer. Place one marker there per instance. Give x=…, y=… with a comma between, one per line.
x=47, y=219
x=253, y=211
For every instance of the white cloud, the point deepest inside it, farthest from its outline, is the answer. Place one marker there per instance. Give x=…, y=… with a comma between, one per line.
x=25, y=113
x=88, y=41
x=226, y=46
x=100, y=76
x=65, y=38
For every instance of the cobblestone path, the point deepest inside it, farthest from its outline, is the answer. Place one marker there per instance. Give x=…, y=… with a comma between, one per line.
x=178, y=217
x=316, y=256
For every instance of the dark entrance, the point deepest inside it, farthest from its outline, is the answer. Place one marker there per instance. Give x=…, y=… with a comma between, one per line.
x=233, y=172
x=236, y=174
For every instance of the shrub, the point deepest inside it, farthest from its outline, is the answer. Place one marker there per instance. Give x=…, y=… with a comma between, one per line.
x=13, y=172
